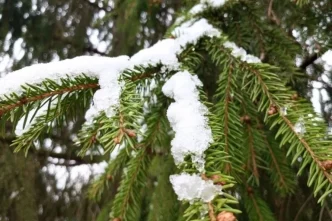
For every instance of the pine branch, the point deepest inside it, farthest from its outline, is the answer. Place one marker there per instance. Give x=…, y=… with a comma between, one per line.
x=226, y=114
x=286, y=120
x=278, y=99
x=284, y=177
x=113, y=170
x=252, y=151
x=163, y=205
x=25, y=100
x=303, y=207
x=256, y=207
x=226, y=110
x=60, y=108
x=126, y=202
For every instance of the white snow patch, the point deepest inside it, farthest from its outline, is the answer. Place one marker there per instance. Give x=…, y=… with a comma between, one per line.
x=197, y=9
x=214, y=3
x=299, y=127
x=193, y=187
x=239, y=52
x=327, y=57
x=190, y=32
x=187, y=116
x=163, y=52
x=117, y=150
x=89, y=65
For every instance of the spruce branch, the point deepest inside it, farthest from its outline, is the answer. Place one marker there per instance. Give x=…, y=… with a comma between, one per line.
x=164, y=205
x=65, y=107
x=271, y=14
x=113, y=169
x=226, y=114
x=275, y=163
x=309, y=149
x=252, y=164
x=256, y=207
x=278, y=100
x=226, y=109
x=126, y=202
x=284, y=176
x=303, y=207
x=25, y=100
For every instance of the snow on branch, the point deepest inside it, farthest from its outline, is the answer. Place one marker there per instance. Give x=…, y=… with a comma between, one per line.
x=214, y=3
x=108, y=70
x=198, y=8
x=193, y=187
x=187, y=116
x=89, y=65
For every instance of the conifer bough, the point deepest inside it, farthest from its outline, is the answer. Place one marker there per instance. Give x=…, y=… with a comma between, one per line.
x=127, y=101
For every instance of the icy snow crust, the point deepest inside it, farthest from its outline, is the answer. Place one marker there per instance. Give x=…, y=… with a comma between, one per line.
x=187, y=116
x=193, y=187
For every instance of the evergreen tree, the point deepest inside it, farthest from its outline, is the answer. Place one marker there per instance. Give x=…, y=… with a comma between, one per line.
x=216, y=116
x=41, y=31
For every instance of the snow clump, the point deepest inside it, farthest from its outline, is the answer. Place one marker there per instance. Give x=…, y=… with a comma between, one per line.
x=187, y=116
x=193, y=187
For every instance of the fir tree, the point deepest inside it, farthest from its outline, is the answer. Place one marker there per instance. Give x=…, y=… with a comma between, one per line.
x=194, y=118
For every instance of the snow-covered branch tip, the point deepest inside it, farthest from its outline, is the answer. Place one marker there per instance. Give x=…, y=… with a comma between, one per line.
x=187, y=115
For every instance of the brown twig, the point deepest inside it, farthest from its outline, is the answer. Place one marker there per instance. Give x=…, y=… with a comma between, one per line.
x=256, y=207
x=226, y=129
x=303, y=206
x=271, y=14
x=141, y=76
x=253, y=153
x=211, y=212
